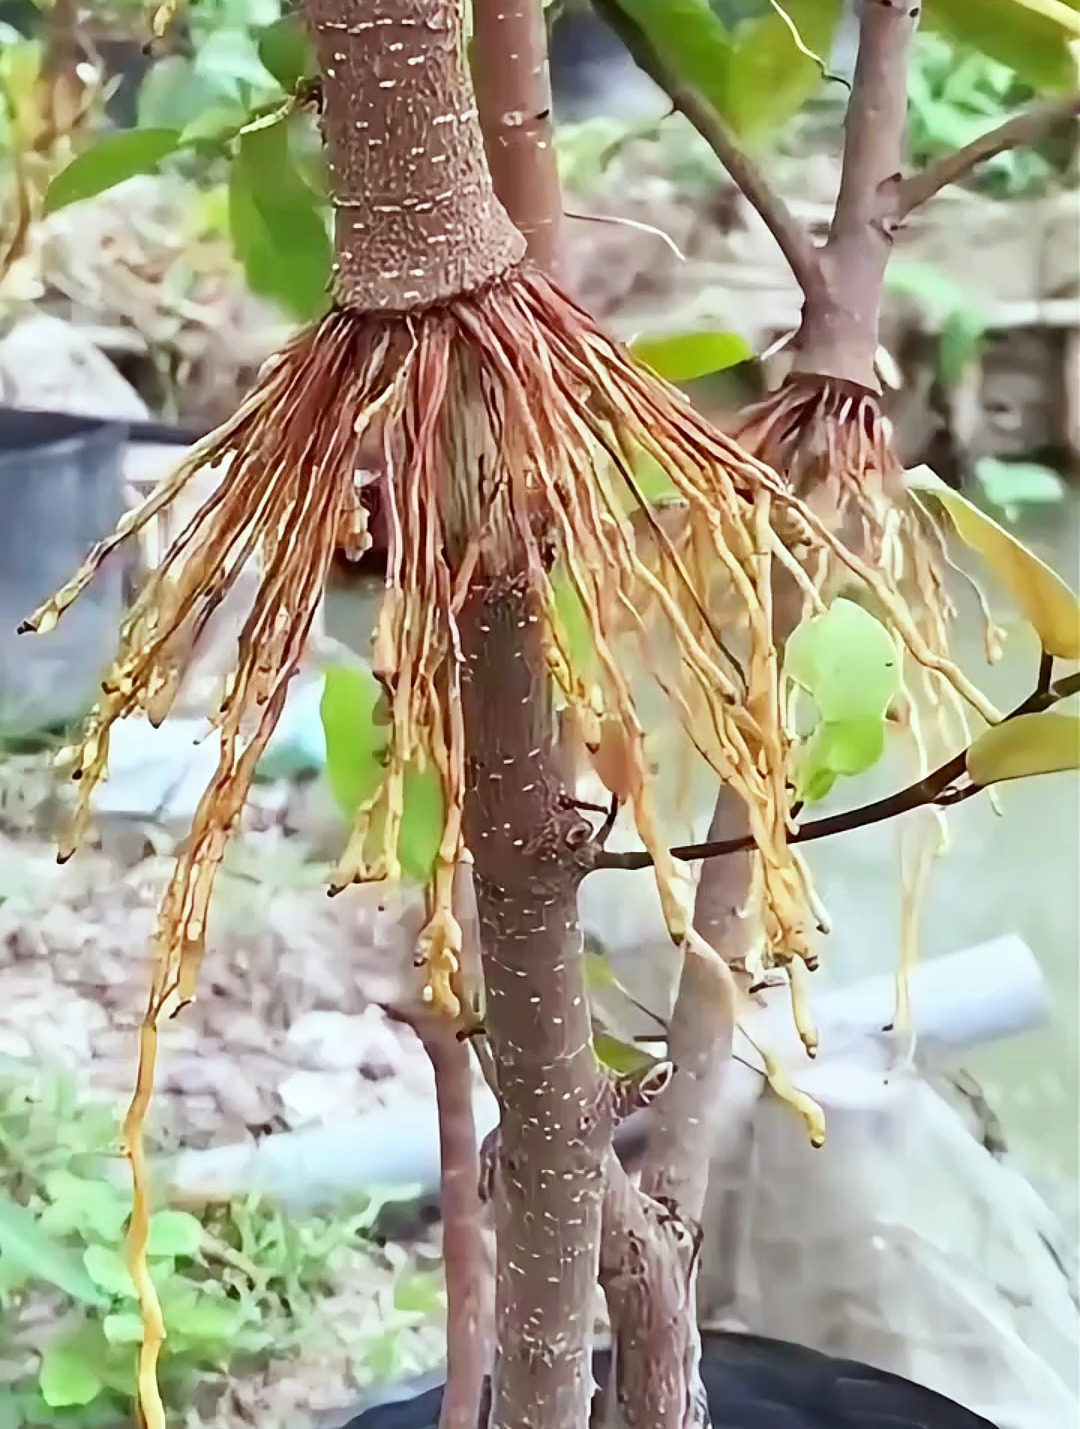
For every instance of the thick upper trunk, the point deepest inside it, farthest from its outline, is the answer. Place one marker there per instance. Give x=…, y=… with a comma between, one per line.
x=416, y=218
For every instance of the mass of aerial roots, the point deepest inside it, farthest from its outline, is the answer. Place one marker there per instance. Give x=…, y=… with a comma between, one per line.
x=510, y=430
x=835, y=447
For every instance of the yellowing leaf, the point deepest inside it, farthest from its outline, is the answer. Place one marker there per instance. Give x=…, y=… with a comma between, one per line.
x=685, y=356
x=1039, y=592
x=1019, y=748
x=1031, y=37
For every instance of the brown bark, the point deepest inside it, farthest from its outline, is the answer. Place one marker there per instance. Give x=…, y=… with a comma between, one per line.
x=416, y=219
x=839, y=332
x=468, y=1298
x=555, y=1123
x=510, y=73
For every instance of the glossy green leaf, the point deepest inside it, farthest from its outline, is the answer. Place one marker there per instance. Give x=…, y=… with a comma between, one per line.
x=1046, y=743
x=287, y=52
x=175, y=1234
x=31, y=1249
x=278, y=228
x=575, y=636
x=1035, y=45
x=69, y=1375
x=1039, y=592
x=112, y=160
x=847, y=662
x=686, y=356
x=355, y=747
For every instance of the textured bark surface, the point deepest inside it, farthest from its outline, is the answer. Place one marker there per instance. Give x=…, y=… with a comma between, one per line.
x=839, y=332
x=510, y=72
x=416, y=218
x=555, y=1126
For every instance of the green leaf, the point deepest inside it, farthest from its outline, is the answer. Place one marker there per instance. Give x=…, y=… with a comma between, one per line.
x=1019, y=748
x=285, y=49
x=91, y=1206
x=175, y=1234
x=125, y=1327
x=354, y=742
x=1039, y=592
x=622, y=1058
x=230, y=60
x=193, y=1315
x=1013, y=484
x=689, y=38
x=172, y=95
x=107, y=1268
x=419, y=1294
x=355, y=749
x=68, y=1375
x=847, y=662
x=1035, y=45
x=575, y=636
x=422, y=820
x=278, y=227
x=110, y=162
x=26, y=1245
x=767, y=77
x=685, y=356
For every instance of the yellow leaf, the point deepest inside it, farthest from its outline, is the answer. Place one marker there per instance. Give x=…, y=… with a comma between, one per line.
x=1027, y=745
x=1042, y=596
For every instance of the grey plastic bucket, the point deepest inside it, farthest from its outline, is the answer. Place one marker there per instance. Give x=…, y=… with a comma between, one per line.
x=61, y=489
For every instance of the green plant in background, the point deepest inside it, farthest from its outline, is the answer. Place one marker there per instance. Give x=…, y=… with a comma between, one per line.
x=955, y=94
x=239, y=1285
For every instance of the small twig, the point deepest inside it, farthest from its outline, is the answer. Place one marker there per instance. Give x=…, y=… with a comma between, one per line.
x=1015, y=133
x=635, y=223
x=1046, y=673
x=935, y=789
x=791, y=236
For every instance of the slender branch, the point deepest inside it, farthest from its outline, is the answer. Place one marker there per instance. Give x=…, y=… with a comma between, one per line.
x=791, y=236
x=1021, y=130
x=465, y=1258
x=934, y=789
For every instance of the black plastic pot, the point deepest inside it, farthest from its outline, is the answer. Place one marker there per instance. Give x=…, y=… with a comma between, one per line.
x=751, y=1383
x=61, y=489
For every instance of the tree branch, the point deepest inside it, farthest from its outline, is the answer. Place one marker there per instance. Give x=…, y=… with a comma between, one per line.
x=508, y=56
x=465, y=1256
x=1021, y=130
x=791, y=236
x=934, y=789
